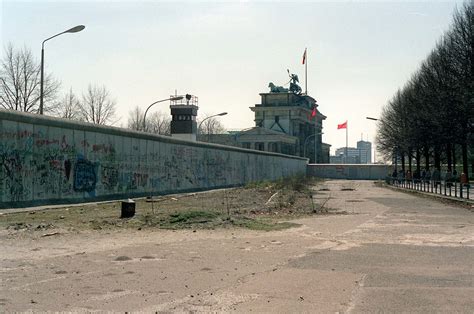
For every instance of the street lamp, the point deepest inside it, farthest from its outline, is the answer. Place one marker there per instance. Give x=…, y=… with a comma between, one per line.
x=373, y=119
x=304, y=145
x=171, y=98
x=75, y=29
x=208, y=126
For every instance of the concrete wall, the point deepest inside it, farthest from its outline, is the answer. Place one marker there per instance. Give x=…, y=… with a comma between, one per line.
x=349, y=171
x=49, y=160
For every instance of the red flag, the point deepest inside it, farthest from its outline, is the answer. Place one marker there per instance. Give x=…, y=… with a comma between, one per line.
x=304, y=56
x=342, y=126
x=313, y=113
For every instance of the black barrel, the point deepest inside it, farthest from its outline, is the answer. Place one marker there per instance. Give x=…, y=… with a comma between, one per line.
x=128, y=209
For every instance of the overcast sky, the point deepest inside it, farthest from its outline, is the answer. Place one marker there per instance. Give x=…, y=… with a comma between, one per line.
x=226, y=53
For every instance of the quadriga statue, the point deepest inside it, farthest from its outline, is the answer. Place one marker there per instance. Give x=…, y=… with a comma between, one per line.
x=294, y=87
x=277, y=89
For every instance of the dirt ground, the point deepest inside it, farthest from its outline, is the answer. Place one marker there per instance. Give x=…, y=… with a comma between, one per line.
x=259, y=206
x=195, y=263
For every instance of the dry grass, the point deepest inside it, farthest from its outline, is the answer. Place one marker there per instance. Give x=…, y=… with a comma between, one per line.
x=260, y=206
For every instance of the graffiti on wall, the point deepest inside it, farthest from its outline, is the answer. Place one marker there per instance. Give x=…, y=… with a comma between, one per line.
x=85, y=176
x=109, y=176
x=11, y=178
x=41, y=163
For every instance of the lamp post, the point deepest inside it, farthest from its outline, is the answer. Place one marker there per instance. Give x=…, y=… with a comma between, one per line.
x=208, y=126
x=373, y=119
x=171, y=98
x=75, y=29
x=304, y=145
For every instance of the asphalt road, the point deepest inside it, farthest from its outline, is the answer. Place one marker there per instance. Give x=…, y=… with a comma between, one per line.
x=385, y=252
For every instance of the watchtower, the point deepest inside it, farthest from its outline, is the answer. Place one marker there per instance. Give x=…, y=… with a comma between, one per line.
x=183, y=113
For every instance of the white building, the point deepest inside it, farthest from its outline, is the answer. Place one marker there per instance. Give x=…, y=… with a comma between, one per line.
x=362, y=154
x=365, y=151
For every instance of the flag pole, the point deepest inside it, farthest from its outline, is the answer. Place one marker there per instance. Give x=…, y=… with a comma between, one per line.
x=347, y=128
x=306, y=72
x=315, y=139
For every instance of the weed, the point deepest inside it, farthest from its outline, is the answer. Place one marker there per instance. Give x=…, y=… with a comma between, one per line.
x=193, y=216
x=299, y=183
x=247, y=208
x=258, y=184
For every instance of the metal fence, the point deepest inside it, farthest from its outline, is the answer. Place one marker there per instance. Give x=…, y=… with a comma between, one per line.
x=446, y=188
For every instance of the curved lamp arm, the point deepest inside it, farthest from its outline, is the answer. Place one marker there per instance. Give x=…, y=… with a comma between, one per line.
x=215, y=115
x=172, y=99
x=75, y=29
x=219, y=114
x=306, y=140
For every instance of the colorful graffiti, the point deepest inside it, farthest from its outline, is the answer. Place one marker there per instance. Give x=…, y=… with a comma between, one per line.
x=109, y=176
x=85, y=176
x=41, y=162
x=11, y=164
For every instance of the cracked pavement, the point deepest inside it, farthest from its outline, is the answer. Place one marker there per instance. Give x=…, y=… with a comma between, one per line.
x=390, y=252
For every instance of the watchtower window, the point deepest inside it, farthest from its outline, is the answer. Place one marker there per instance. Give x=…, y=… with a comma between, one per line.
x=273, y=147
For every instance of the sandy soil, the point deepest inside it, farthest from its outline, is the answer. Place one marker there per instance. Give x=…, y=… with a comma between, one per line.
x=217, y=270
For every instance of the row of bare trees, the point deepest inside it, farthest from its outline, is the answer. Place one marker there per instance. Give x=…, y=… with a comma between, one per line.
x=157, y=122
x=160, y=123
x=20, y=90
x=430, y=120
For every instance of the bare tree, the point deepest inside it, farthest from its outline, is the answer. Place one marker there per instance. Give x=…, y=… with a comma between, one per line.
x=97, y=106
x=210, y=126
x=20, y=78
x=135, y=119
x=68, y=107
x=157, y=123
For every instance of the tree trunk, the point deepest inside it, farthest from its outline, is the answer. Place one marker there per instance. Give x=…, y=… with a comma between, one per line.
x=426, y=152
x=418, y=162
x=437, y=158
x=395, y=159
x=471, y=147
x=448, y=155
x=464, y=160
x=409, y=161
x=402, y=155
x=454, y=156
